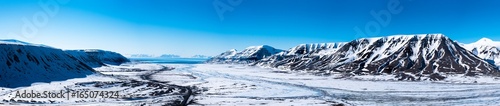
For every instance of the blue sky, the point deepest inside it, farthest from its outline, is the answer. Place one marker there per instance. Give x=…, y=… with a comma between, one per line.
x=189, y=27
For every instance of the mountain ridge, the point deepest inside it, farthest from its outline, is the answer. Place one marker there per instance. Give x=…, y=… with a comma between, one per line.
x=98, y=58
x=409, y=57
x=248, y=55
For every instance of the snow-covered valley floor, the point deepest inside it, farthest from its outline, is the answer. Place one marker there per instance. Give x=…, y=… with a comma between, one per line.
x=246, y=85
x=219, y=84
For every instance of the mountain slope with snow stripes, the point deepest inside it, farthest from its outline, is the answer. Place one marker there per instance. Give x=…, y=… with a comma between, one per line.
x=409, y=57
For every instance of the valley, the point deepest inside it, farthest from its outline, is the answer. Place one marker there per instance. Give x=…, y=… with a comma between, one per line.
x=421, y=69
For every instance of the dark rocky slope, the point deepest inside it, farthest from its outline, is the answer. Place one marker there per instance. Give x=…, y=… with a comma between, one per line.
x=22, y=64
x=98, y=58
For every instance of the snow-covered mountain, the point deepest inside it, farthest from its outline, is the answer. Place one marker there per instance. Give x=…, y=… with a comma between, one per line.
x=249, y=55
x=227, y=54
x=486, y=49
x=315, y=49
x=298, y=52
x=139, y=55
x=409, y=57
x=98, y=58
x=22, y=64
x=170, y=56
x=201, y=56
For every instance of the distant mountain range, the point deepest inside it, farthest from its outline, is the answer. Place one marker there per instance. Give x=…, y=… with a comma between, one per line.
x=169, y=56
x=409, y=57
x=164, y=56
x=201, y=56
x=140, y=55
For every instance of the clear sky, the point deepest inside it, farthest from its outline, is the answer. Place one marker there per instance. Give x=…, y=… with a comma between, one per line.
x=189, y=27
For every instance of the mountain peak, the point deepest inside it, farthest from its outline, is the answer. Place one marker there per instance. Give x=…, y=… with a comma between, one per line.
x=258, y=47
x=266, y=46
x=437, y=35
x=252, y=49
x=486, y=49
x=233, y=50
x=170, y=56
x=485, y=40
x=315, y=48
x=250, y=54
x=402, y=36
